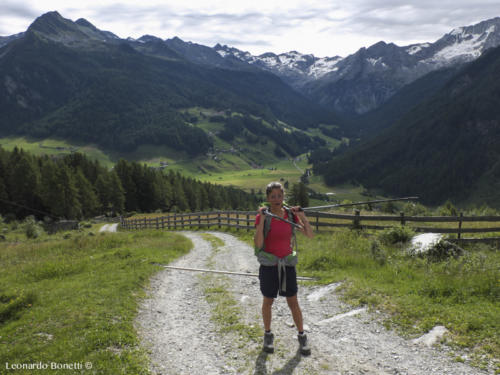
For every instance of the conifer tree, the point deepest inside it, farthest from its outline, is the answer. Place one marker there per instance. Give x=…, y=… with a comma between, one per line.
x=23, y=183
x=124, y=170
x=117, y=200
x=203, y=198
x=68, y=205
x=49, y=193
x=179, y=198
x=89, y=201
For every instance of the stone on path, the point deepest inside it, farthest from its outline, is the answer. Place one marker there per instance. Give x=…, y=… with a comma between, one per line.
x=342, y=316
x=432, y=337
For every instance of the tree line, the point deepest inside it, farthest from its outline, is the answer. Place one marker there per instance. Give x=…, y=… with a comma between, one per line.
x=76, y=187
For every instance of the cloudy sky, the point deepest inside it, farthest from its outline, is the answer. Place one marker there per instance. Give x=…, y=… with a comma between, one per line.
x=323, y=28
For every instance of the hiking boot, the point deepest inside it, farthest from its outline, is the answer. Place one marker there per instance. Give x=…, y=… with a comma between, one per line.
x=305, y=349
x=268, y=342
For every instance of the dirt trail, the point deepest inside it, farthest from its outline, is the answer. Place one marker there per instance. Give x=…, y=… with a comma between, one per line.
x=176, y=327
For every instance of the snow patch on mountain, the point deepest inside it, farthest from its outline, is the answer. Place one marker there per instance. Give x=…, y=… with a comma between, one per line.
x=467, y=45
x=413, y=49
x=324, y=66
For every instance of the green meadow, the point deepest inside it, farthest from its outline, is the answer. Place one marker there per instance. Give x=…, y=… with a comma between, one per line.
x=72, y=298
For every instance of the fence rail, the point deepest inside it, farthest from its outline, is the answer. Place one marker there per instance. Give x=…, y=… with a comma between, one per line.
x=321, y=221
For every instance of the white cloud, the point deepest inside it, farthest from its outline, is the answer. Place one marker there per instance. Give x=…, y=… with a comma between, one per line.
x=319, y=27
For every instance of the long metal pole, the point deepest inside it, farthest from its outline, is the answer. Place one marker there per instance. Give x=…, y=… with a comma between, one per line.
x=358, y=203
x=226, y=272
x=268, y=213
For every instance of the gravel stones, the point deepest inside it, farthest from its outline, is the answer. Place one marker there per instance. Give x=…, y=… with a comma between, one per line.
x=183, y=339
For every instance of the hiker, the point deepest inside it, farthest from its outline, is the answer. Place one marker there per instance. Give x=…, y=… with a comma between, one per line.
x=274, y=240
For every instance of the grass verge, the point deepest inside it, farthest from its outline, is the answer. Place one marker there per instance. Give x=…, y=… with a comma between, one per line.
x=73, y=301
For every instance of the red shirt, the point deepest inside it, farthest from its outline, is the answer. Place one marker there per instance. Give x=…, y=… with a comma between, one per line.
x=279, y=237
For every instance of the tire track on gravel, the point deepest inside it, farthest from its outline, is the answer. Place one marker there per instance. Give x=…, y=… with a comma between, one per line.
x=178, y=316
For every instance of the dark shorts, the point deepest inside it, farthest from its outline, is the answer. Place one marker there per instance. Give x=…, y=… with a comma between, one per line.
x=269, y=285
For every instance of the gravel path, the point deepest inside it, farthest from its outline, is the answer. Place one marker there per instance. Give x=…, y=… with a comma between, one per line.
x=176, y=327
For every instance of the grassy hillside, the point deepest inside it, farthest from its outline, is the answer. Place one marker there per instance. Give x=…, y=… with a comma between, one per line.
x=73, y=297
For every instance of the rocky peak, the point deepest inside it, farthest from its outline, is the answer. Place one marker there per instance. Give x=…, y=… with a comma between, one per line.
x=51, y=23
x=84, y=23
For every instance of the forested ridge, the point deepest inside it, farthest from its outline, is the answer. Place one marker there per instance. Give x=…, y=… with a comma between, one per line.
x=447, y=147
x=61, y=82
x=75, y=187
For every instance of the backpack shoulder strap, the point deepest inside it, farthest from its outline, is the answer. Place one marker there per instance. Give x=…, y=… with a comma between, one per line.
x=267, y=225
x=291, y=217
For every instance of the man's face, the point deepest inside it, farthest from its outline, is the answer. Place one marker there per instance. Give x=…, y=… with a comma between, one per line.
x=275, y=198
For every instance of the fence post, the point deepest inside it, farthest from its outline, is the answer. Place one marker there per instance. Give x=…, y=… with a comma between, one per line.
x=356, y=220
x=238, y=221
x=460, y=225
x=145, y=223
x=182, y=221
x=248, y=222
x=218, y=219
x=402, y=215
x=317, y=223
x=157, y=223
x=175, y=220
x=163, y=222
x=199, y=220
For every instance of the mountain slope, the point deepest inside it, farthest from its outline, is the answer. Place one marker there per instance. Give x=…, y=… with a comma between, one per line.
x=442, y=148
x=363, y=81
x=72, y=80
x=374, y=122
x=351, y=86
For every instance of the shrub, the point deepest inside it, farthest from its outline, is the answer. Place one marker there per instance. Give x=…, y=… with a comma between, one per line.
x=12, y=305
x=32, y=228
x=10, y=217
x=448, y=209
x=398, y=234
x=389, y=207
x=378, y=253
x=442, y=250
x=414, y=209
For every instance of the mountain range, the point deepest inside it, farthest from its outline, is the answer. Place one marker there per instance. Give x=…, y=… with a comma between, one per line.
x=350, y=85
x=71, y=80
x=366, y=79
x=422, y=119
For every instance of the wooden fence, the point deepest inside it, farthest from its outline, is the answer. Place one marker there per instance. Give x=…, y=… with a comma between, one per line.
x=322, y=221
